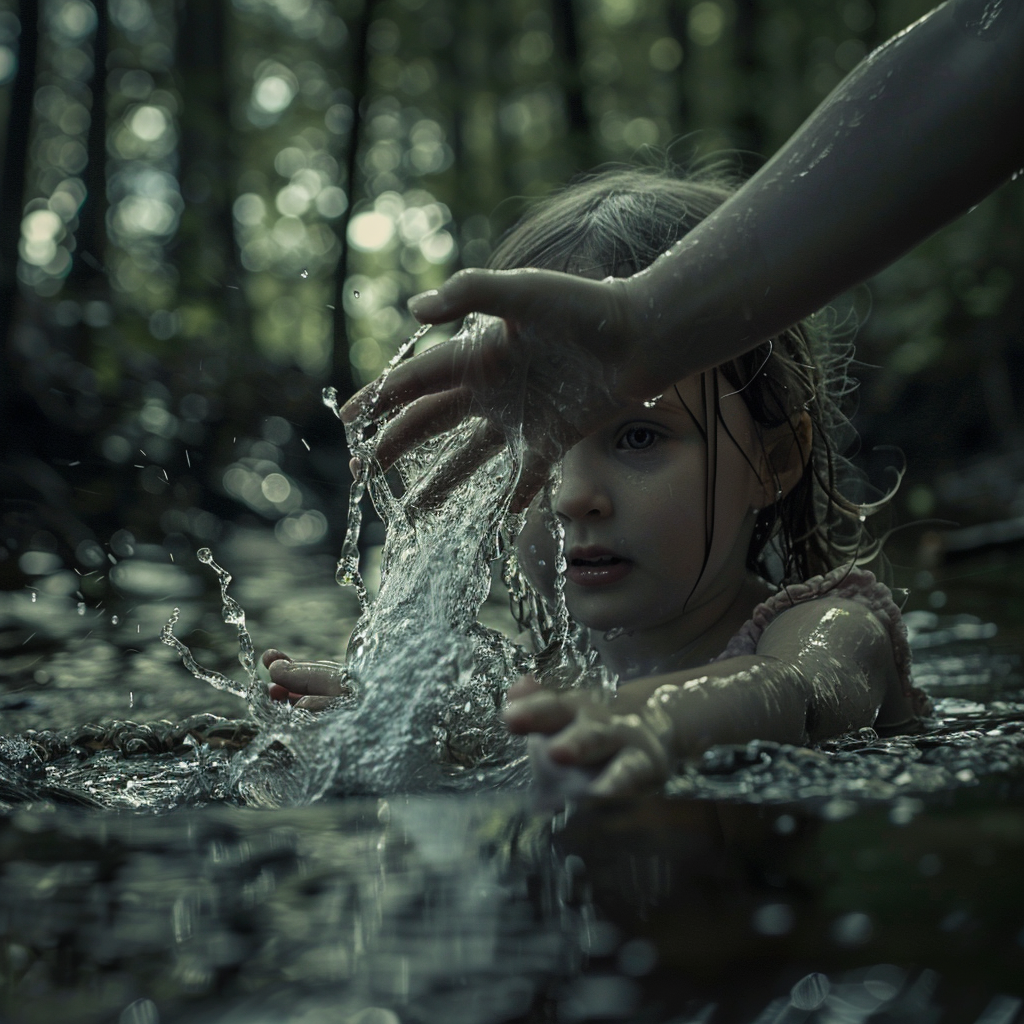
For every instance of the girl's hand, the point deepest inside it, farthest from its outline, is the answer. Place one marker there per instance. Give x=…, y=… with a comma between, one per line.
x=580, y=343
x=311, y=685
x=632, y=750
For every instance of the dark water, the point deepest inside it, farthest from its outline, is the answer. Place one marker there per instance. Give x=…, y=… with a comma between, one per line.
x=871, y=878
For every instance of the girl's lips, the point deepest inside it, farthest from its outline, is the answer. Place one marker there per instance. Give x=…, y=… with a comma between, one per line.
x=597, y=572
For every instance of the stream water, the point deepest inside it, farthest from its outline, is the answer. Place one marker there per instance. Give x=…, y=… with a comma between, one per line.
x=870, y=878
x=176, y=851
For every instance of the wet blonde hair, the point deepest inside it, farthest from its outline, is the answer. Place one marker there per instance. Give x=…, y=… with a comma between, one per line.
x=618, y=222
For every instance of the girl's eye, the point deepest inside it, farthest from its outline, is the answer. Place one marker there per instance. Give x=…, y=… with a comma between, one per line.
x=638, y=438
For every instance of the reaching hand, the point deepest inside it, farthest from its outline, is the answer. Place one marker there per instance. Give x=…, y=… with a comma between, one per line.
x=566, y=353
x=633, y=750
x=312, y=685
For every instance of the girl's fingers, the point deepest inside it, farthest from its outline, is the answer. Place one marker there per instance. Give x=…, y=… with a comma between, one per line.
x=542, y=712
x=586, y=741
x=523, y=687
x=632, y=771
x=270, y=656
x=278, y=692
x=317, y=678
x=314, y=703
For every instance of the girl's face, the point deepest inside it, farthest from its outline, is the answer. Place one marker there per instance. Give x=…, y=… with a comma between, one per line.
x=635, y=500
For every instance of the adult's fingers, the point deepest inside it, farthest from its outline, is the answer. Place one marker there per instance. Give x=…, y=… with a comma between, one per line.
x=510, y=294
x=421, y=420
x=447, y=366
x=433, y=370
x=536, y=470
x=458, y=466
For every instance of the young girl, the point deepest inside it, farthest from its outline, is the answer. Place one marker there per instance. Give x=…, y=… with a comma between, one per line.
x=684, y=516
x=711, y=557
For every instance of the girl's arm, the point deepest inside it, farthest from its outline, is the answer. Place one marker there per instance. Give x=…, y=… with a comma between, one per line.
x=919, y=132
x=821, y=669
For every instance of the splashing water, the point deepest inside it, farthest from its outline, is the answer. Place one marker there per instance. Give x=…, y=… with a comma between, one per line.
x=426, y=679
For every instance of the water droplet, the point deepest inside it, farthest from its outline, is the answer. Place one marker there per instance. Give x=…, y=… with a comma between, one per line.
x=304, y=273
x=114, y=620
x=131, y=699
x=355, y=293
x=81, y=607
x=652, y=402
x=615, y=633
x=33, y=597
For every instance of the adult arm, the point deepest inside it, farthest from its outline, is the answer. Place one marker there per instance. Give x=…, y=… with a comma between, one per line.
x=919, y=132
x=820, y=669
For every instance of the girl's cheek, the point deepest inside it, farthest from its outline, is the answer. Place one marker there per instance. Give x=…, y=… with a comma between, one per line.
x=536, y=551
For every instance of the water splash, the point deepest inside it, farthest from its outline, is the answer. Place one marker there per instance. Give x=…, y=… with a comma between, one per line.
x=233, y=615
x=427, y=680
x=205, y=675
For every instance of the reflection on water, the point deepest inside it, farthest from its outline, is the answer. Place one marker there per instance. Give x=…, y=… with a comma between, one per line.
x=870, y=878
x=476, y=910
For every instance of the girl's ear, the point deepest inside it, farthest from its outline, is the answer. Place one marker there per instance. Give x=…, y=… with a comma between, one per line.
x=784, y=453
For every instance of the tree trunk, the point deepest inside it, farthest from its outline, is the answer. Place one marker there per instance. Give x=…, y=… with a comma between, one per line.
x=12, y=179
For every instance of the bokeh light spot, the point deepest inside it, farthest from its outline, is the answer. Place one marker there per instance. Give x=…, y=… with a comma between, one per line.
x=665, y=54
x=273, y=94
x=149, y=123
x=706, y=23
x=371, y=231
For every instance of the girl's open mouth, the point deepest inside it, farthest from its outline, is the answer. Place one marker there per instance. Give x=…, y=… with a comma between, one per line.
x=596, y=570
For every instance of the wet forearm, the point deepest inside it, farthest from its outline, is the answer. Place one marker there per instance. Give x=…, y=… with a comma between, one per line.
x=731, y=701
x=918, y=133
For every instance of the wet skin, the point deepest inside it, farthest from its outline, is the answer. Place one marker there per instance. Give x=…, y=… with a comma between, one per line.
x=633, y=501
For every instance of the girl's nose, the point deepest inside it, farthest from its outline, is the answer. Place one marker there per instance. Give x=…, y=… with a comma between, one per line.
x=584, y=492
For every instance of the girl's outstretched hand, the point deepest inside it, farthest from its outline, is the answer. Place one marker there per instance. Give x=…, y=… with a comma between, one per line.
x=581, y=343
x=311, y=685
x=631, y=751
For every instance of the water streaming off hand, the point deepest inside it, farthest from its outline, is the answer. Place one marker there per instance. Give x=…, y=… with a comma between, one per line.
x=427, y=679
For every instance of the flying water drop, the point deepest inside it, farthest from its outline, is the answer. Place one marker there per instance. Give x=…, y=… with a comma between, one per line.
x=304, y=273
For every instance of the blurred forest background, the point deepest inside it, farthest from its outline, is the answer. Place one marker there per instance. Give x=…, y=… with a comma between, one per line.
x=211, y=210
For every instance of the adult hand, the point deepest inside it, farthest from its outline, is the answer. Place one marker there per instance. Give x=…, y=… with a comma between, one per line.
x=632, y=749
x=312, y=685
x=565, y=352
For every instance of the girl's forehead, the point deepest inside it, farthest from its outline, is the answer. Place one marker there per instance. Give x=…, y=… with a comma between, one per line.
x=694, y=397
x=694, y=390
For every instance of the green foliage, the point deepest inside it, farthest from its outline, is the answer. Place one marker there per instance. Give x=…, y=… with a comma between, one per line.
x=255, y=189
